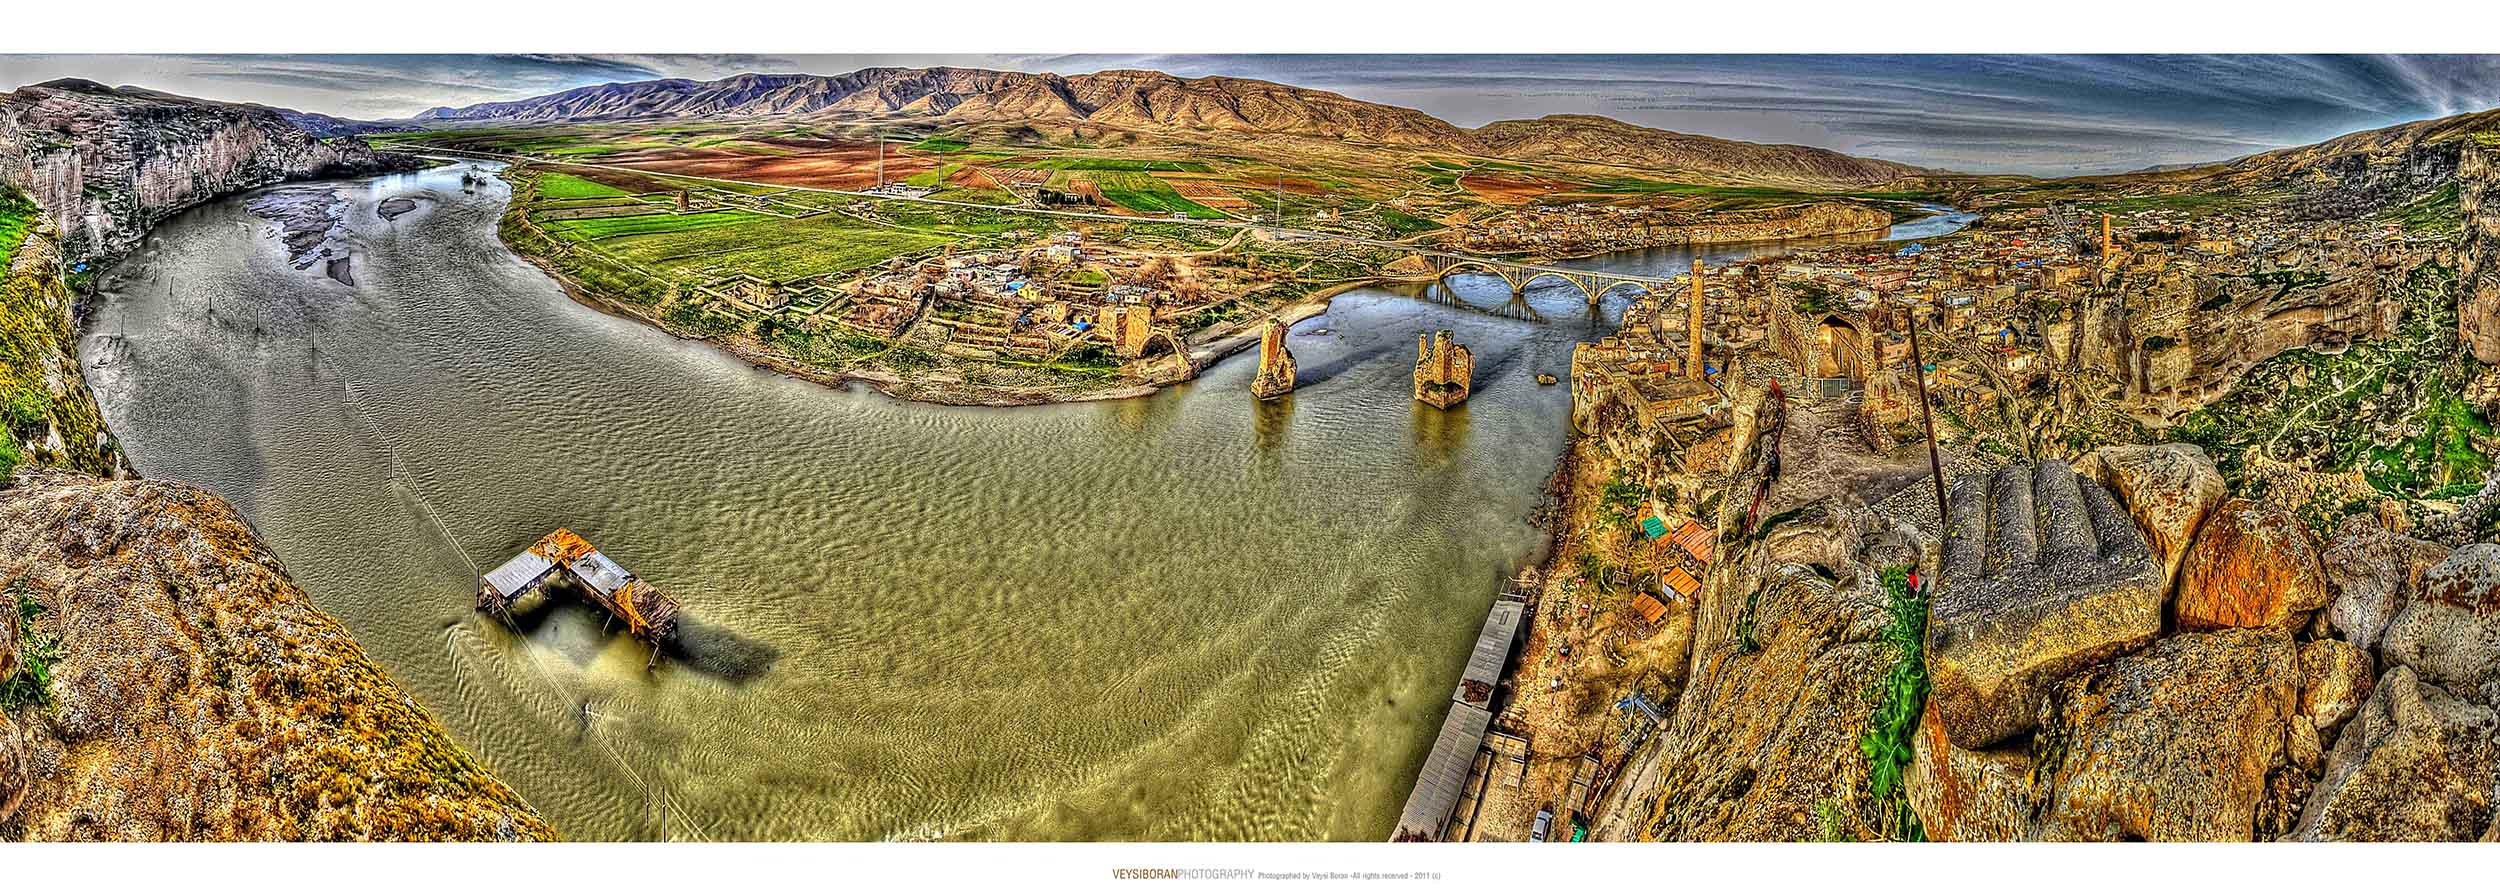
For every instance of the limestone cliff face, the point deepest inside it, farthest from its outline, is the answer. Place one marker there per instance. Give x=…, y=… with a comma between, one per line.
x=195, y=693
x=107, y=163
x=47, y=416
x=2478, y=302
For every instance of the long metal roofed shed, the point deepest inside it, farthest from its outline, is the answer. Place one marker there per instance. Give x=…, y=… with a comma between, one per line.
x=1440, y=784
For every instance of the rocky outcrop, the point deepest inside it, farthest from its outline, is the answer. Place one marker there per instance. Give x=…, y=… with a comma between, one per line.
x=2335, y=678
x=2168, y=489
x=2450, y=633
x=2172, y=743
x=197, y=694
x=2183, y=740
x=2417, y=763
x=2044, y=574
x=2252, y=567
x=107, y=163
x=1565, y=231
x=2478, y=271
x=2371, y=573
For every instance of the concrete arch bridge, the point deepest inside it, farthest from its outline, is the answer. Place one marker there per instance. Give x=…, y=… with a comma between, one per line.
x=1594, y=285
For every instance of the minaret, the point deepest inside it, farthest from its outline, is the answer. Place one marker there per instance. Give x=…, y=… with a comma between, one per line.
x=1692, y=329
x=2107, y=244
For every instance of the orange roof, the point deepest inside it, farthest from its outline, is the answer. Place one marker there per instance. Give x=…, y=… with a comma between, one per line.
x=1681, y=582
x=1697, y=542
x=1648, y=606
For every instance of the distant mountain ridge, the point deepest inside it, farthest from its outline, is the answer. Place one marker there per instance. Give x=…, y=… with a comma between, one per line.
x=1150, y=101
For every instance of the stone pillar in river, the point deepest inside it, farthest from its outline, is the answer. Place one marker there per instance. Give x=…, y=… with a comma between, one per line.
x=1275, y=363
x=1444, y=370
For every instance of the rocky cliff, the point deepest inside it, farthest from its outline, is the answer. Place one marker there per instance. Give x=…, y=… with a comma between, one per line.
x=107, y=163
x=166, y=681
x=160, y=676
x=2478, y=257
x=47, y=417
x=1564, y=231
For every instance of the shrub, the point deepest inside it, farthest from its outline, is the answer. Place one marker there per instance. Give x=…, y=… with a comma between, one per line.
x=1901, y=697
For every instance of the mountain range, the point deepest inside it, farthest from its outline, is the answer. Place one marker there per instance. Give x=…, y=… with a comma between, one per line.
x=1207, y=109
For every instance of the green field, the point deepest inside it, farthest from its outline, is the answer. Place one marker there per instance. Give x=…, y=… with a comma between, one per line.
x=935, y=177
x=1148, y=194
x=774, y=248
x=1119, y=165
x=566, y=186
x=940, y=144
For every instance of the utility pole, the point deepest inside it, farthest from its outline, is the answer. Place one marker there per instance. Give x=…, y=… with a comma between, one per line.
x=1935, y=461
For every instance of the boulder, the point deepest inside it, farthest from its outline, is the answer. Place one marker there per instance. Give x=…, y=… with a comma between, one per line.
x=2252, y=566
x=2335, y=678
x=2168, y=489
x=2449, y=634
x=2370, y=573
x=2044, y=574
x=1968, y=795
x=2173, y=743
x=2416, y=763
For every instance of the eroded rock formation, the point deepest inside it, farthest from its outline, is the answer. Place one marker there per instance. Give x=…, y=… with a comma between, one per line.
x=197, y=694
x=106, y=163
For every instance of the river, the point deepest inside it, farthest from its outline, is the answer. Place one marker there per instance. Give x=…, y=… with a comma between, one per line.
x=1185, y=616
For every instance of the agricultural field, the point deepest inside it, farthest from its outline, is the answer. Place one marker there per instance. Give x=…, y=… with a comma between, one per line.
x=1366, y=192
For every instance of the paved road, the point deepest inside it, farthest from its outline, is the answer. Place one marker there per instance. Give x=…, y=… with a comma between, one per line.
x=1058, y=213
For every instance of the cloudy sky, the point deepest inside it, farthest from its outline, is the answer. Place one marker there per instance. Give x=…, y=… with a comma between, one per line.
x=2046, y=115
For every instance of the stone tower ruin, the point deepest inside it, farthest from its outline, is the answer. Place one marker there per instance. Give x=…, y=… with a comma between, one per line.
x=1444, y=370
x=1276, y=373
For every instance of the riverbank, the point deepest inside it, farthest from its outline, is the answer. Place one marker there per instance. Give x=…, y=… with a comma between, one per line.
x=943, y=387
x=916, y=374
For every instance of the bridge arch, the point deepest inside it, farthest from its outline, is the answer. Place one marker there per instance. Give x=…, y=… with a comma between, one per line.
x=1443, y=268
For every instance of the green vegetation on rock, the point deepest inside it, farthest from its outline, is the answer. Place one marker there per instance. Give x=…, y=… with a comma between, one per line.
x=1901, y=700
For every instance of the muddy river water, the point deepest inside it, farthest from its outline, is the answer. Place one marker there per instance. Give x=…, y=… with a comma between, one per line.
x=1186, y=616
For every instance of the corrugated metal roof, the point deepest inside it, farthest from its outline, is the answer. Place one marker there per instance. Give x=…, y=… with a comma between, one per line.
x=518, y=573
x=1492, y=652
x=1444, y=774
x=1698, y=542
x=599, y=572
